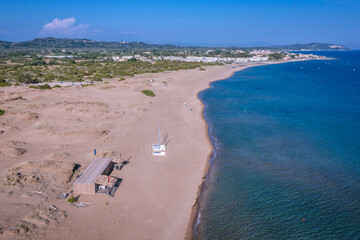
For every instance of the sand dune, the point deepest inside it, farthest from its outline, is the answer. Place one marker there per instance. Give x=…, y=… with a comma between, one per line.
x=22, y=115
x=14, y=99
x=34, y=105
x=6, y=128
x=34, y=223
x=38, y=175
x=13, y=149
x=25, y=189
x=30, y=116
x=47, y=131
x=57, y=156
x=87, y=132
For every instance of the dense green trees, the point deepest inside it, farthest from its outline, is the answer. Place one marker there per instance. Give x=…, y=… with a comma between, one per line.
x=275, y=56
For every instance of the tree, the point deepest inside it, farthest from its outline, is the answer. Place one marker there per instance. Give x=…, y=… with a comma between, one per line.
x=26, y=78
x=276, y=56
x=132, y=59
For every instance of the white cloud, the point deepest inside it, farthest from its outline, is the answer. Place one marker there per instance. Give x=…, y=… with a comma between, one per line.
x=65, y=28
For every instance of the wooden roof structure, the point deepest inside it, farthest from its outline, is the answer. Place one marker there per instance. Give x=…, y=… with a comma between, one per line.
x=86, y=182
x=95, y=168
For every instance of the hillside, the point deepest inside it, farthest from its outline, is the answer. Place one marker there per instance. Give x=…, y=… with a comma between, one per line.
x=312, y=47
x=51, y=43
x=78, y=44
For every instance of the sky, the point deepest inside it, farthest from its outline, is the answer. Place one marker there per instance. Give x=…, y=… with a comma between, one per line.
x=186, y=22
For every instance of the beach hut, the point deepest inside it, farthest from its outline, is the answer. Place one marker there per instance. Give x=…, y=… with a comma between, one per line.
x=86, y=182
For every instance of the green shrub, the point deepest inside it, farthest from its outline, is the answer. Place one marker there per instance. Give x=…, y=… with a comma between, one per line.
x=72, y=199
x=2, y=112
x=5, y=84
x=97, y=78
x=26, y=78
x=42, y=87
x=56, y=86
x=148, y=92
x=86, y=85
x=122, y=79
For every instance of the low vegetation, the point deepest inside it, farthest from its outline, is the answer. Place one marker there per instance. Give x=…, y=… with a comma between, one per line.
x=72, y=199
x=5, y=84
x=148, y=92
x=42, y=87
x=2, y=112
x=75, y=60
x=26, y=70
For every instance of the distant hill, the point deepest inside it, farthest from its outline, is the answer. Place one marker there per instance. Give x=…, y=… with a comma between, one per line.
x=312, y=47
x=77, y=44
x=51, y=43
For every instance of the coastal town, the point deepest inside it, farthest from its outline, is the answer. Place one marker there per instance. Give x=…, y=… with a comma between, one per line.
x=253, y=56
x=72, y=64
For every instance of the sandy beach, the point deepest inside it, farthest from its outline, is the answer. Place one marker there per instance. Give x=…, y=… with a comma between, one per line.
x=45, y=132
x=249, y=147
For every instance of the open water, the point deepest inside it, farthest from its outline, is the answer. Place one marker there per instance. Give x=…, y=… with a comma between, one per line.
x=287, y=152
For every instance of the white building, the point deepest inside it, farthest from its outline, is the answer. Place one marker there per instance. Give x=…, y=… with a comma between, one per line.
x=259, y=59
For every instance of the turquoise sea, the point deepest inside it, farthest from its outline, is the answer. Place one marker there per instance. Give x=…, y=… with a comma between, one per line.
x=286, y=163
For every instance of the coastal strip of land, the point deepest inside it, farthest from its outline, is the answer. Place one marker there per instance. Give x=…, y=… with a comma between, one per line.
x=53, y=129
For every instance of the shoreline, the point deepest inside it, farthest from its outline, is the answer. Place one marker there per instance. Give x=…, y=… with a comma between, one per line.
x=196, y=207
x=117, y=119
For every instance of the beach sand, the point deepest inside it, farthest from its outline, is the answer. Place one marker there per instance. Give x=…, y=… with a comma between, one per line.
x=55, y=129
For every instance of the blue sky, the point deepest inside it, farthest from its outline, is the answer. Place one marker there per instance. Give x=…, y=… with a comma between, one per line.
x=212, y=22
